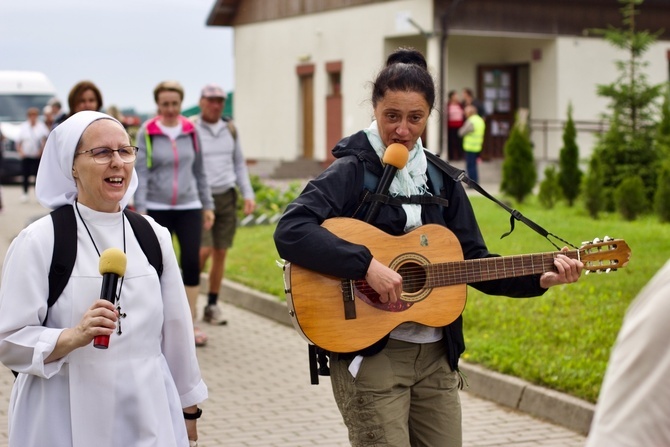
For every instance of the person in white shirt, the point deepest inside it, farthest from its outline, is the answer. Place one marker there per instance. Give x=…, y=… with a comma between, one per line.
x=33, y=134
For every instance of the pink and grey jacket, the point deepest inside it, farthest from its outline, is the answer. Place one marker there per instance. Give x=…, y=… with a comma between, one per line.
x=170, y=172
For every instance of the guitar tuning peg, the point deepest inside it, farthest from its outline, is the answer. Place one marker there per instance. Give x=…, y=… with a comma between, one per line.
x=596, y=240
x=588, y=272
x=608, y=270
x=607, y=239
x=586, y=242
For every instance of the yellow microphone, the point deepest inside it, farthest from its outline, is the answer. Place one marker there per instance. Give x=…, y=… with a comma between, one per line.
x=395, y=157
x=112, y=267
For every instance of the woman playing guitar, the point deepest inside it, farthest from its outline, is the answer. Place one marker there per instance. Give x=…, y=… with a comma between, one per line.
x=402, y=390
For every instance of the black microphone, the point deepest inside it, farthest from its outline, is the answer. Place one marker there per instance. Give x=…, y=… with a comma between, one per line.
x=112, y=267
x=395, y=157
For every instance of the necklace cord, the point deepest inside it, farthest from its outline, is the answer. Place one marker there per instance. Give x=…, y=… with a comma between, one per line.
x=123, y=226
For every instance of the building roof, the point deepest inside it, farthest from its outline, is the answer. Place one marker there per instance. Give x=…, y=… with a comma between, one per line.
x=565, y=17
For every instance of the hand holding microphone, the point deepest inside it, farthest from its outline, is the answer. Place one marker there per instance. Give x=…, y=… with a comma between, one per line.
x=112, y=267
x=395, y=157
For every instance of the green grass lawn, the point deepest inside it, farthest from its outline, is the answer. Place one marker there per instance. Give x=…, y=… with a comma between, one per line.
x=561, y=340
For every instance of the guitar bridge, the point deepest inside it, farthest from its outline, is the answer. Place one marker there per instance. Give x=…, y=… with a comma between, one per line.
x=348, y=300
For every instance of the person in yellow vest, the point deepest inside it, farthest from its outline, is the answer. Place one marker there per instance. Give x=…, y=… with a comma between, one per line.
x=472, y=133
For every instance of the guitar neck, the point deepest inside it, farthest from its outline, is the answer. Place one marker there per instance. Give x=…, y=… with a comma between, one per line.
x=485, y=269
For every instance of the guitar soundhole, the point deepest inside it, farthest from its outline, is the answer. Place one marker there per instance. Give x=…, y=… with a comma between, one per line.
x=413, y=277
x=413, y=269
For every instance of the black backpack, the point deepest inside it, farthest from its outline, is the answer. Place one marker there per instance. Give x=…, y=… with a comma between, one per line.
x=65, y=249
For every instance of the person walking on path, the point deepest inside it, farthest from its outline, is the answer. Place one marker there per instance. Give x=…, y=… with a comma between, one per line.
x=455, y=119
x=226, y=169
x=144, y=389
x=33, y=135
x=472, y=133
x=173, y=187
x=84, y=95
x=57, y=111
x=470, y=100
x=403, y=390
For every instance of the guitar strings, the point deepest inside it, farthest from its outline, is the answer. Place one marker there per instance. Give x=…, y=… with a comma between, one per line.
x=460, y=272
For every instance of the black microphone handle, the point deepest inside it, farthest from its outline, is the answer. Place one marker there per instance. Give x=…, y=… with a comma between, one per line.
x=382, y=188
x=107, y=292
x=109, y=283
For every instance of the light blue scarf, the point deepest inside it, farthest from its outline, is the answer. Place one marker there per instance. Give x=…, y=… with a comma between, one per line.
x=408, y=181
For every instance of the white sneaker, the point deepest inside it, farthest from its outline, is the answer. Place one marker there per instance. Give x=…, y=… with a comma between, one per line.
x=213, y=315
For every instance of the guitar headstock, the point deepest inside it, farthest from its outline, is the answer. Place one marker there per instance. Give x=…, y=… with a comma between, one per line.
x=604, y=255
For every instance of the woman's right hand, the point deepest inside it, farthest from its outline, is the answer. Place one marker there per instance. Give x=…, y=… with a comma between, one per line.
x=99, y=319
x=386, y=282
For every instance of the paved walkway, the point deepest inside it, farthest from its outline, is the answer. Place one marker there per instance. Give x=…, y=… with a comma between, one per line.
x=260, y=395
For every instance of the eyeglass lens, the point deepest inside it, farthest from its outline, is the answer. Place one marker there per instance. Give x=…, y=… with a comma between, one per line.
x=105, y=154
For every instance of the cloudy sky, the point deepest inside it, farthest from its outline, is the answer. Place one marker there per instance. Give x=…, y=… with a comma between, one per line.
x=125, y=47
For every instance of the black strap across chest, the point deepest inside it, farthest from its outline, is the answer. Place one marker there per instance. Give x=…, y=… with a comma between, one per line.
x=65, y=247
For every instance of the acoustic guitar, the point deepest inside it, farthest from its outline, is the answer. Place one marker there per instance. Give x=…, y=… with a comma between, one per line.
x=344, y=315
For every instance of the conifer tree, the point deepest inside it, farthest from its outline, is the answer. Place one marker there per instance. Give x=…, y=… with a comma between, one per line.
x=569, y=175
x=626, y=150
x=550, y=190
x=518, y=168
x=594, y=196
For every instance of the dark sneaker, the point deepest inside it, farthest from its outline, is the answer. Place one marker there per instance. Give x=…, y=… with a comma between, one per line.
x=213, y=315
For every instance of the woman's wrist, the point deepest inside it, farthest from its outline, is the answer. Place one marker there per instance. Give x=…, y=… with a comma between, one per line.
x=192, y=413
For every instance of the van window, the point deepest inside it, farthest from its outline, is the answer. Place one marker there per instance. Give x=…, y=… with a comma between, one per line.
x=14, y=107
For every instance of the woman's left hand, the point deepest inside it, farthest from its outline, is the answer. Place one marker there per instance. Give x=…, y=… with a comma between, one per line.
x=192, y=429
x=191, y=424
x=568, y=270
x=207, y=219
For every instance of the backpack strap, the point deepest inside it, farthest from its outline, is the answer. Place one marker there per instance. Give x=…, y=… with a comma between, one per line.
x=65, y=247
x=371, y=180
x=231, y=127
x=64, y=252
x=146, y=236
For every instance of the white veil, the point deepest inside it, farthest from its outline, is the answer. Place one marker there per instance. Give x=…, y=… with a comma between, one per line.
x=54, y=184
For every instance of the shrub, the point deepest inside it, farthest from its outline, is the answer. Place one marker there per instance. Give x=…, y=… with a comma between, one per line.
x=593, y=188
x=569, y=176
x=550, y=189
x=662, y=197
x=518, y=169
x=630, y=198
x=270, y=200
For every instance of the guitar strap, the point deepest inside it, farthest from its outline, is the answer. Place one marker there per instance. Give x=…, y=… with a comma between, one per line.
x=458, y=175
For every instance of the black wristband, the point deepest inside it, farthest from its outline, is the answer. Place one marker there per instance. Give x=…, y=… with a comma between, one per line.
x=193, y=416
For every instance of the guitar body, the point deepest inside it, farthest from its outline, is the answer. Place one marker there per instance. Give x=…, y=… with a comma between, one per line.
x=316, y=301
x=341, y=315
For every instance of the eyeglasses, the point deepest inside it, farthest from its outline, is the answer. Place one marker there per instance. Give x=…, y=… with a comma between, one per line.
x=102, y=155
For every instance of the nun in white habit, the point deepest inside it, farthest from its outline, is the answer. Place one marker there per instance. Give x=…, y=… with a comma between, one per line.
x=144, y=389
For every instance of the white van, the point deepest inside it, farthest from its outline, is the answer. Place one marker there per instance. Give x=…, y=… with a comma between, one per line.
x=19, y=91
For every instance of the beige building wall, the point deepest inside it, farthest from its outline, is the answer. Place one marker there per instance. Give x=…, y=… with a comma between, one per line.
x=267, y=96
x=267, y=102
